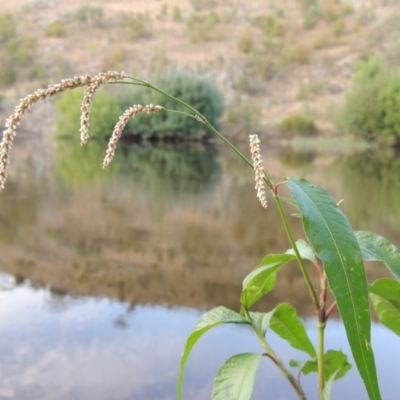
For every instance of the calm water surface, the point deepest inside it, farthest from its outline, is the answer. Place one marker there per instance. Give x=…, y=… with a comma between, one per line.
x=104, y=273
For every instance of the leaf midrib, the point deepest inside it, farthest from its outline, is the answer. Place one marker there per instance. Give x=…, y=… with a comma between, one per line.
x=350, y=294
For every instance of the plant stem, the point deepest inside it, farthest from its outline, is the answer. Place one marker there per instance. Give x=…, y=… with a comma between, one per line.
x=271, y=354
x=321, y=372
x=320, y=308
x=202, y=119
x=296, y=251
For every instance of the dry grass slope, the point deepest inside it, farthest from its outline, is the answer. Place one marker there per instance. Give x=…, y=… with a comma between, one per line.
x=284, y=59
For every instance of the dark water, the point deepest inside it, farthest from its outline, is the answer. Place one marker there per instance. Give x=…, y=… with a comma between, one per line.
x=104, y=273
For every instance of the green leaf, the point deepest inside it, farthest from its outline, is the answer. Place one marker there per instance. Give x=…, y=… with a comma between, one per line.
x=288, y=326
x=385, y=296
x=326, y=393
x=333, y=239
x=235, y=379
x=261, y=320
x=378, y=248
x=262, y=279
x=284, y=321
x=212, y=318
x=334, y=361
x=305, y=250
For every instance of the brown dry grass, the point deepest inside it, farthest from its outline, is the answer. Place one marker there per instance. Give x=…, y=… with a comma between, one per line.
x=90, y=48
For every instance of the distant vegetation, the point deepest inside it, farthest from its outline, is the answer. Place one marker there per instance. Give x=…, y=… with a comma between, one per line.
x=56, y=29
x=105, y=112
x=136, y=25
x=371, y=107
x=165, y=168
x=379, y=170
x=89, y=15
x=16, y=51
x=298, y=125
x=267, y=60
x=196, y=89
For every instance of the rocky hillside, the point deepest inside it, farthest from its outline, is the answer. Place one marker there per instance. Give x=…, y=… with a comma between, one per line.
x=271, y=59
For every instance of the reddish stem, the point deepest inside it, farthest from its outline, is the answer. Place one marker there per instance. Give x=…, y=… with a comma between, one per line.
x=330, y=309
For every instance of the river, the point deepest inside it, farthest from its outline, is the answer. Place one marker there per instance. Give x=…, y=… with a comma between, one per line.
x=105, y=272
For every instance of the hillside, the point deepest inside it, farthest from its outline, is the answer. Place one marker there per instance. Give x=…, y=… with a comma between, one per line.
x=271, y=60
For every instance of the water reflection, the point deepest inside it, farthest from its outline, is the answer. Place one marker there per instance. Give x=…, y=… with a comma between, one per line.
x=296, y=159
x=61, y=347
x=79, y=165
x=177, y=227
x=169, y=169
x=372, y=187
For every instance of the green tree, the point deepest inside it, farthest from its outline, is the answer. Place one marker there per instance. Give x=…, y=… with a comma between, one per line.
x=193, y=88
x=371, y=107
x=105, y=112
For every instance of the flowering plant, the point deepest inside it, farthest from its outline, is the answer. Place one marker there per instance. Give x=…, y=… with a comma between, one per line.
x=335, y=251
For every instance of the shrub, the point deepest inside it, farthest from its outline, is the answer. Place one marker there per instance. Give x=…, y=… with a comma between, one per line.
x=137, y=25
x=321, y=41
x=203, y=4
x=311, y=13
x=176, y=14
x=197, y=90
x=245, y=42
x=8, y=28
x=333, y=10
x=21, y=50
x=201, y=27
x=265, y=67
x=270, y=26
x=298, y=125
x=298, y=53
x=339, y=28
x=103, y=117
x=371, y=107
x=8, y=73
x=89, y=15
x=56, y=29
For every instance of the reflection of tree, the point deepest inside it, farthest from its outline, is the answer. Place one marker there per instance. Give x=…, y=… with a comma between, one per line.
x=296, y=159
x=372, y=187
x=166, y=168
x=171, y=169
x=78, y=165
x=17, y=208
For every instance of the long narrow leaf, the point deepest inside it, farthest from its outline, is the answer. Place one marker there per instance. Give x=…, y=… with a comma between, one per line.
x=378, y=248
x=207, y=321
x=385, y=296
x=262, y=279
x=332, y=237
x=235, y=379
x=288, y=326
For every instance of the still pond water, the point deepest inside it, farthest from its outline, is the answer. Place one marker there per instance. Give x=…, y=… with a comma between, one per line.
x=104, y=273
